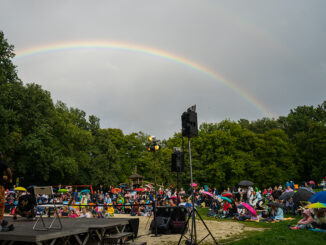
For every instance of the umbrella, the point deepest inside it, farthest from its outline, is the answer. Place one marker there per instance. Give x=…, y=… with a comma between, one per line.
x=10, y=192
x=301, y=195
x=286, y=195
x=276, y=204
x=127, y=195
x=226, y=199
x=193, y=184
x=63, y=190
x=312, y=182
x=246, y=183
x=116, y=190
x=227, y=194
x=318, y=197
x=139, y=189
x=85, y=191
x=317, y=205
x=250, y=209
x=308, y=189
x=20, y=189
x=208, y=193
x=173, y=197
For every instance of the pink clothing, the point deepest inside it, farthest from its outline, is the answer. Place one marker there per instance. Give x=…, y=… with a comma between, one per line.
x=307, y=219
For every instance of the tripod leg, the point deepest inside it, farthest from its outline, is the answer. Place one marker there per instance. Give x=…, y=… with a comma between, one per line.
x=206, y=227
x=184, y=229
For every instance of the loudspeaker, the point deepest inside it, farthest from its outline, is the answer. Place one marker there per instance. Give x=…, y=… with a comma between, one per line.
x=170, y=220
x=178, y=162
x=189, y=124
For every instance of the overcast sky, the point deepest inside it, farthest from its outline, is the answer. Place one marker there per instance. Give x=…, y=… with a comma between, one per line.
x=272, y=51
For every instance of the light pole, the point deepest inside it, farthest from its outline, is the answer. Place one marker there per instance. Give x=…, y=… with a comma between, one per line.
x=154, y=147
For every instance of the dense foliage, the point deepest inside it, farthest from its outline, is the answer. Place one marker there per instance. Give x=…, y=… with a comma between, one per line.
x=47, y=143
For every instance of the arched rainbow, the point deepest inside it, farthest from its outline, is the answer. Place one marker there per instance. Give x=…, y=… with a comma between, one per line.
x=146, y=50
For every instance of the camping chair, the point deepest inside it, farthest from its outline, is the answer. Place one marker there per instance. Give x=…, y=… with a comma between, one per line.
x=46, y=190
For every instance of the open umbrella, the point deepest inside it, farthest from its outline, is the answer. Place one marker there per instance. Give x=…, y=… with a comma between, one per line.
x=227, y=194
x=139, y=189
x=317, y=205
x=20, y=189
x=312, y=182
x=308, y=189
x=286, y=195
x=85, y=191
x=62, y=190
x=246, y=183
x=208, y=193
x=226, y=199
x=318, y=197
x=301, y=195
x=116, y=190
x=193, y=184
x=249, y=208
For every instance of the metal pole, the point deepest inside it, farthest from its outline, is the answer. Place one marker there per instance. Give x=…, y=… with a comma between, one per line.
x=155, y=194
x=193, y=222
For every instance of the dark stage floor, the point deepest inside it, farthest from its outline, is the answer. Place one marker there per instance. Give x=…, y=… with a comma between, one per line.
x=72, y=227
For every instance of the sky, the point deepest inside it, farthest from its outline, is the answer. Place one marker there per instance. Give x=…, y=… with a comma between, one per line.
x=138, y=65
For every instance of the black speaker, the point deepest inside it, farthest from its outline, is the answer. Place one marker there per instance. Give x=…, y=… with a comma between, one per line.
x=189, y=124
x=178, y=162
x=170, y=220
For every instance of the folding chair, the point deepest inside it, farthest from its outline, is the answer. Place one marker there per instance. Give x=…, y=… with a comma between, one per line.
x=46, y=190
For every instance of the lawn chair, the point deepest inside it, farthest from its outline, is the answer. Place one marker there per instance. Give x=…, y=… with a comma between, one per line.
x=46, y=190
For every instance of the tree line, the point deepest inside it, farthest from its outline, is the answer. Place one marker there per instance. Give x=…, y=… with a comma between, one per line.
x=47, y=143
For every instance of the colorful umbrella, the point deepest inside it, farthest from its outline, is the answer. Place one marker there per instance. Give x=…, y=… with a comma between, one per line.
x=227, y=194
x=193, y=184
x=208, y=193
x=116, y=190
x=63, y=190
x=139, y=189
x=318, y=197
x=226, y=199
x=85, y=191
x=317, y=205
x=20, y=189
x=249, y=208
x=312, y=182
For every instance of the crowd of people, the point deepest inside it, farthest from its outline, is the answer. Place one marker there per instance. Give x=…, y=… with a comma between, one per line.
x=242, y=203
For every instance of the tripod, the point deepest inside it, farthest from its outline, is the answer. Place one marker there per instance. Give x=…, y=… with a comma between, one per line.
x=193, y=233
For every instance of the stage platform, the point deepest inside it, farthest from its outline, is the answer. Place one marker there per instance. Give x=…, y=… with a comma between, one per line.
x=79, y=231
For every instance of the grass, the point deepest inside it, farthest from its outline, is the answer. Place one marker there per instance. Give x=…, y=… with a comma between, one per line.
x=273, y=233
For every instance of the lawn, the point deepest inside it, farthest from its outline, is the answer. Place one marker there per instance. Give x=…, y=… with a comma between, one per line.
x=274, y=233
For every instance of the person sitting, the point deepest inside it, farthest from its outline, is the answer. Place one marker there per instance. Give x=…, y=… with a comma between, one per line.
x=64, y=212
x=304, y=223
x=320, y=219
x=246, y=216
x=26, y=206
x=85, y=214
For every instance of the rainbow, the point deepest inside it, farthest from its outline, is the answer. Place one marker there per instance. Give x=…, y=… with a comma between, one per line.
x=145, y=50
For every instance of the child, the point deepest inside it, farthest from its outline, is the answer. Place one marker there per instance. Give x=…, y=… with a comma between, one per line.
x=304, y=223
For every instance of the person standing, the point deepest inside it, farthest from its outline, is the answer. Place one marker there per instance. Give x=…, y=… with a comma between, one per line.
x=3, y=167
